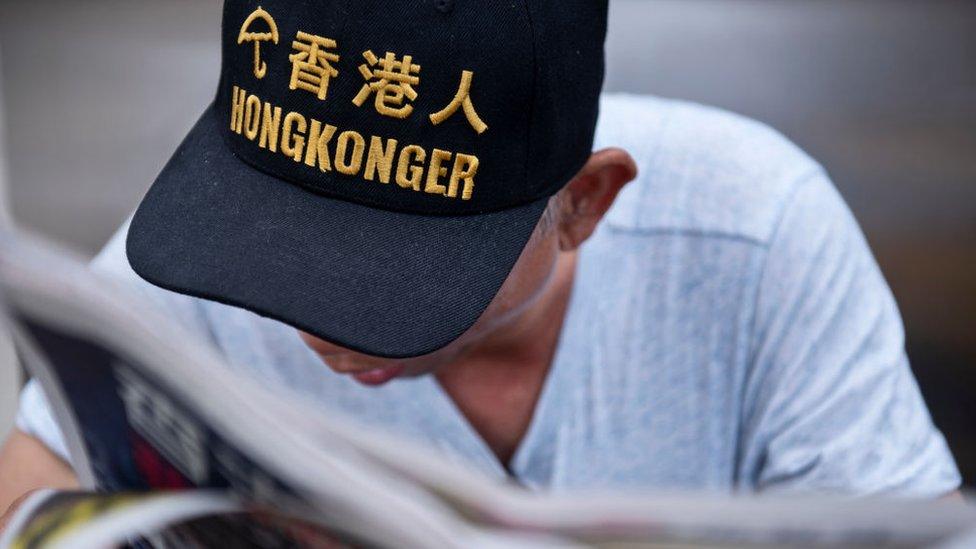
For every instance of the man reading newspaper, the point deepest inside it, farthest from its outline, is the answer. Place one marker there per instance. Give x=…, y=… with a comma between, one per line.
x=410, y=212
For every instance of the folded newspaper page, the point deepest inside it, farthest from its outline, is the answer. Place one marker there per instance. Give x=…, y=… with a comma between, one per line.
x=148, y=437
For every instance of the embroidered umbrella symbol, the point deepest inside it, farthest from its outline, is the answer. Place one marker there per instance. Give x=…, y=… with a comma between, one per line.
x=248, y=35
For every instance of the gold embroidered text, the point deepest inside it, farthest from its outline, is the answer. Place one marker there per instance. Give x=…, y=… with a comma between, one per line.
x=462, y=100
x=376, y=159
x=392, y=83
x=312, y=64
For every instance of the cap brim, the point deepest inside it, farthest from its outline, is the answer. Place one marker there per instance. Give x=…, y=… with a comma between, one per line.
x=379, y=282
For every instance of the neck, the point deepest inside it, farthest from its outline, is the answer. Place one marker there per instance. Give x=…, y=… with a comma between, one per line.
x=496, y=384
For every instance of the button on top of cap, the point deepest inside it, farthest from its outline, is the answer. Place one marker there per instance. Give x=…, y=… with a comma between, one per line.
x=444, y=6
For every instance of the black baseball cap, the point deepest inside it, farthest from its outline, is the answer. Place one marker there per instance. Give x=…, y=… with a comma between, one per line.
x=371, y=170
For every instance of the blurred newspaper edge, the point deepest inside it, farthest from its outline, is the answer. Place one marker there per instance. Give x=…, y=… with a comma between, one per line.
x=10, y=381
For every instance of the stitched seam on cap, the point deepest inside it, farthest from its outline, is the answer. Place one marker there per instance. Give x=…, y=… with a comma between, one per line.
x=535, y=92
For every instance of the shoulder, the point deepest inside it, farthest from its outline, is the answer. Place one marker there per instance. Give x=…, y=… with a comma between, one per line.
x=702, y=170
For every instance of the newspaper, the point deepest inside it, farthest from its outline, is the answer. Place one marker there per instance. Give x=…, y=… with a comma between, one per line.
x=190, y=452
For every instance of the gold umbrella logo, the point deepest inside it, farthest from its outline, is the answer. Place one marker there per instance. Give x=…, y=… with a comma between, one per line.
x=248, y=35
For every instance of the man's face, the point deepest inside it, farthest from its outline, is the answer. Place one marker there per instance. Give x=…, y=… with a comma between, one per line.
x=523, y=287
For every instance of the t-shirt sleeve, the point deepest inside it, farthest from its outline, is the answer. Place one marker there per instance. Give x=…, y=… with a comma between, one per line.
x=831, y=402
x=34, y=416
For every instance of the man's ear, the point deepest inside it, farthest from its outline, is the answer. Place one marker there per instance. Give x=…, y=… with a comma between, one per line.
x=589, y=196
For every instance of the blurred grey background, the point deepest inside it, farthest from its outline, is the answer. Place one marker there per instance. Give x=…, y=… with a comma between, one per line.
x=883, y=92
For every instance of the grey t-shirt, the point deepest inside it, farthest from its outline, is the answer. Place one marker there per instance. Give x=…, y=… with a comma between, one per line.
x=729, y=331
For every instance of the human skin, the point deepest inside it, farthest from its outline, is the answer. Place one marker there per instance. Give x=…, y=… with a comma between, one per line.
x=26, y=465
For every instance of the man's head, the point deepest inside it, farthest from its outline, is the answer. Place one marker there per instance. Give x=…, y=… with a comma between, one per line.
x=372, y=171
x=569, y=220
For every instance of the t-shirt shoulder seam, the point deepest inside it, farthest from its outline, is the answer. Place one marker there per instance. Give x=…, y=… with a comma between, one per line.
x=763, y=243
x=776, y=227
x=692, y=233
x=787, y=201
x=775, y=230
